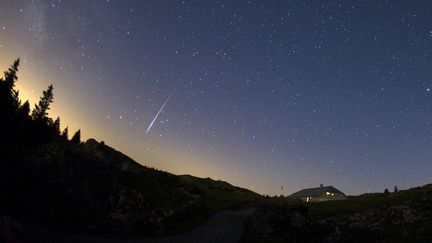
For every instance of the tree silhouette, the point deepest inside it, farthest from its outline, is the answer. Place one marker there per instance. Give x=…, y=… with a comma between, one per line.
x=10, y=75
x=56, y=126
x=9, y=96
x=395, y=189
x=16, y=103
x=386, y=191
x=76, y=138
x=40, y=112
x=23, y=125
x=24, y=111
x=65, y=134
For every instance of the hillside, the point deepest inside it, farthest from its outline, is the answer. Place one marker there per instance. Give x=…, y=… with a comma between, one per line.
x=51, y=181
x=92, y=188
x=404, y=216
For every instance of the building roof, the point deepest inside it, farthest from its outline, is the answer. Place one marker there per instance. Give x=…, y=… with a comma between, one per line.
x=315, y=192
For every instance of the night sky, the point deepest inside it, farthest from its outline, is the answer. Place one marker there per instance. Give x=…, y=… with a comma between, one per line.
x=262, y=94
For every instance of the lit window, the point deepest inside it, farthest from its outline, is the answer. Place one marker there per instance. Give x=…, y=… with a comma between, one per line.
x=328, y=193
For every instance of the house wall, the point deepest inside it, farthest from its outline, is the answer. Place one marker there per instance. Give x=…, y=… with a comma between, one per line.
x=324, y=198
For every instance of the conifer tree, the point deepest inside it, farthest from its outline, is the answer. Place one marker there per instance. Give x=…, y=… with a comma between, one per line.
x=10, y=75
x=15, y=101
x=24, y=110
x=9, y=96
x=40, y=112
x=56, y=126
x=76, y=138
x=65, y=134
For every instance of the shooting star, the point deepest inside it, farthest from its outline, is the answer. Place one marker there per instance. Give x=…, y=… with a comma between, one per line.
x=160, y=110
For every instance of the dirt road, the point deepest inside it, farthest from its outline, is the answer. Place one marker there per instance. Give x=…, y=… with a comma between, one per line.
x=223, y=227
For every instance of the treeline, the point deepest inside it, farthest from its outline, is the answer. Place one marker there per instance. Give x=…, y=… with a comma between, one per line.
x=33, y=153
x=22, y=127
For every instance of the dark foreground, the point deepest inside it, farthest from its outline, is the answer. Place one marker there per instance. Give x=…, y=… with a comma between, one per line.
x=224, y=227
x=404, y=216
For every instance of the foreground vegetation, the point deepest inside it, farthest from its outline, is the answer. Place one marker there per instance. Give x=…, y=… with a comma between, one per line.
x=404, y=216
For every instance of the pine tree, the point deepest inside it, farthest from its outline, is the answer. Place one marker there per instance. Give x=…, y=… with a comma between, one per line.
x=76, y=138
x=395, y=189
x=56, y=126
x=65, y=134
x=10, y=75
x=24, y=110
x=40, y=112
x=9, y=102
x=15, y=101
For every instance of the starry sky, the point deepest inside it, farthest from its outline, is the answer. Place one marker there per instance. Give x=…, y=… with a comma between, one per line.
x=262, y=94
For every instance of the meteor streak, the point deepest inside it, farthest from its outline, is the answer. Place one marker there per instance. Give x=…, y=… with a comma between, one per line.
x=160, y=110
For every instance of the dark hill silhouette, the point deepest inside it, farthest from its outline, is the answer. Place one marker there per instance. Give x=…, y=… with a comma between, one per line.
x=88, y=187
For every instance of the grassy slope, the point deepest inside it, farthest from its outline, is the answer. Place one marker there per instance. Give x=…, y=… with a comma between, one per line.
x=405, y=216
x=92, y=188
x=419, y=198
